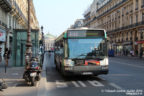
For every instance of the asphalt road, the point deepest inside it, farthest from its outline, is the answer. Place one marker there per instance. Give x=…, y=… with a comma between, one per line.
x=124, y=79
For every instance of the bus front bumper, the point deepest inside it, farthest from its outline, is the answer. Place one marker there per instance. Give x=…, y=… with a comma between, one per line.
x=86, y=70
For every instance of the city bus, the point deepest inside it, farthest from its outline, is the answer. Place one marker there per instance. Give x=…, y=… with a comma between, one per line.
x=81, y=52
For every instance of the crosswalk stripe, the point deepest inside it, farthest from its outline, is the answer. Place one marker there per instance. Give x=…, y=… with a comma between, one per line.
x=95, y=83
x=75, y=84
x=116, y=86
x=81, y=83
x=61, y=84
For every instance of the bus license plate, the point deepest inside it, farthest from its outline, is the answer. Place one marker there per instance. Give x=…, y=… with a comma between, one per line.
x=32, y=74
x=87, y=73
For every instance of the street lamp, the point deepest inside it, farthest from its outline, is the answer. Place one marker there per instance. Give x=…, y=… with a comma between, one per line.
x=43, y=42
x=28, y=54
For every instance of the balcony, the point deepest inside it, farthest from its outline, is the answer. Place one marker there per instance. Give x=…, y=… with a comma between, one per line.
x=109, y=10
x=6, y=5
x=17, y=11
x=126, y=27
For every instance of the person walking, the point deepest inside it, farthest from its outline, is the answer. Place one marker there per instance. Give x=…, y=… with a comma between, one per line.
x=6, y=56
x=0, y=55
x=141, y=53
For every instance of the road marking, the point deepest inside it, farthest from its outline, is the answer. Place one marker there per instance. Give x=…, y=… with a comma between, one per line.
x=115, y=86
x=128, y=64
x=119, y=75
x=61, y=84
x=95, y=83
x=15, y=74
x=75, y=84
x=81, y=83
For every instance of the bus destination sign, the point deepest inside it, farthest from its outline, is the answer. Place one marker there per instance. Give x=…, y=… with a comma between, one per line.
x=86, y=33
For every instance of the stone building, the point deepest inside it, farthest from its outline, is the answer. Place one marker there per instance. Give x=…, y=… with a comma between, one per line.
x=13, y=15
x=49, y=42
x=77, y=24
x=124, y=22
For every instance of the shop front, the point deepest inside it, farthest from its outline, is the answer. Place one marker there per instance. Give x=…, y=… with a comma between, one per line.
x=127, y=47
x=141, y=47
x=117, y=48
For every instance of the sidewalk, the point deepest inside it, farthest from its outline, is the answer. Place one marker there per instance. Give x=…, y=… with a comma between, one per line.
x=12, y=76
x=130, y=57
x=17, y=85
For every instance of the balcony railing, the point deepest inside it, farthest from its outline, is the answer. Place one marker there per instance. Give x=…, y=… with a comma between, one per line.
x=126, y=27
x=19, y=11
x=6, y=5
x=117, y=5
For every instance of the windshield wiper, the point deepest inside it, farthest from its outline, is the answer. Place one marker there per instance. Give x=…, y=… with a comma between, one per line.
x=97, y=58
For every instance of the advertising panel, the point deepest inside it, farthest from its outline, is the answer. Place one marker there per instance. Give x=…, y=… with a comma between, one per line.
x=2, y=35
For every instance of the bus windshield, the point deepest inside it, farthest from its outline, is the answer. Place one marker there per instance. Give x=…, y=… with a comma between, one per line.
x=87, y=48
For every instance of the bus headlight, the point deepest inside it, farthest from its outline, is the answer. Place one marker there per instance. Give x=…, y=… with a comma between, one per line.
x=68, y=62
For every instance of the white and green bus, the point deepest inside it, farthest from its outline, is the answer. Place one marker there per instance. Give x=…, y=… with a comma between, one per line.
x=82, y=52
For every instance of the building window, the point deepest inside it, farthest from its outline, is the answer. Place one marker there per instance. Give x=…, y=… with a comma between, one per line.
x=136, y=5
x=142, y=16
x=141, y=35
x=142, y=4
x=136, y=18
x=131, y=35
x=131, y=19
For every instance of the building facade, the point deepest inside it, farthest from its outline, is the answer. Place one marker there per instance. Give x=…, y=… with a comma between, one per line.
x=49, y=42
x=13, y=15
x=77, y=24
x=124, y=23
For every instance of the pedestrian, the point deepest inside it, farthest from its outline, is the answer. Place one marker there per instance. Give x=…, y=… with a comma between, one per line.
x=6, y=56
x=126, y=52
x=0, y=54
x=132, y=52
x=141, y=53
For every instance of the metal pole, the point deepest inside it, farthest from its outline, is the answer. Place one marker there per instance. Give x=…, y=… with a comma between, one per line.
x=29, y=43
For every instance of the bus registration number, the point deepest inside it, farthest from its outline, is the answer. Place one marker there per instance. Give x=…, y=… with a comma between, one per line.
x=87, y=73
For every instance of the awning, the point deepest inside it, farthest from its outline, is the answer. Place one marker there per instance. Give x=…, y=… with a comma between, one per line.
x=140, y=42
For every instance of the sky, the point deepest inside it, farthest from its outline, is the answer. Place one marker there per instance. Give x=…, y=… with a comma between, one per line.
x=58, y=15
